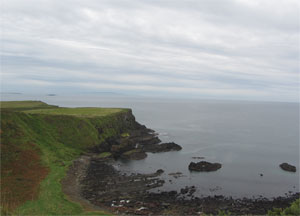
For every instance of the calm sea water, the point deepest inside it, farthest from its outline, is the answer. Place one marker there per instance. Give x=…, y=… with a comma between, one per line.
x=248, y=138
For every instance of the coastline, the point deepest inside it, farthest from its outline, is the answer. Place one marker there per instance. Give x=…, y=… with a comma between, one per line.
x=79, y=147
x=138, y=200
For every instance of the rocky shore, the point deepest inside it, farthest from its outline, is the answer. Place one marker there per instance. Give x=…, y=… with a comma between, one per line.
x=94, y=181
x=100, y=184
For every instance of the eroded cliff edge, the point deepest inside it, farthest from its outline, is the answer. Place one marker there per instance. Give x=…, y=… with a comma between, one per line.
x=39, y=142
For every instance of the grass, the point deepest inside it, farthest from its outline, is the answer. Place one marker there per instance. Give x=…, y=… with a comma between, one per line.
x=37, y=146
x=105, y=155
x=24, y=105
x=132, y=151
x=79, y=112
x=124, y=135
x=294, y=209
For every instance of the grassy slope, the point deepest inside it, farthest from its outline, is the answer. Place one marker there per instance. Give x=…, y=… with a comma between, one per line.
x=58, y=139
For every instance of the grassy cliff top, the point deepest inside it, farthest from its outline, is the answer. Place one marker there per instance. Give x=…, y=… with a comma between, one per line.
x=24, y=105
x=39, y=107
x=80, y=112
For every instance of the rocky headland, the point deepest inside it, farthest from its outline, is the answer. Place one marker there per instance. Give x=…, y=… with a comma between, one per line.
x=134, y=144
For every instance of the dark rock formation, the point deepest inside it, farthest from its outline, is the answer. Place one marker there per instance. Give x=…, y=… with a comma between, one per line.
x=121, y=146
x=160, y=171
x=288, y=167
x=198, y=158
x=204, y=166
x=135, y=154
x=133, y=141
x=164, y=147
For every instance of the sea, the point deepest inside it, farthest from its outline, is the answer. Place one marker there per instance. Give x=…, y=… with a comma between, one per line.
x=250, y=139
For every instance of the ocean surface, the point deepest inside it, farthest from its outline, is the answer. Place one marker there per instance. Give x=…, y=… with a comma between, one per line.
x=247, y=138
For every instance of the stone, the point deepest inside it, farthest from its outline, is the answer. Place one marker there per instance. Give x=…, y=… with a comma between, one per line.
x=288, y=167
x=204, y=166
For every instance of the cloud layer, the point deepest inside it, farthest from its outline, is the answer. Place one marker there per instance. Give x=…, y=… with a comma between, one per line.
x=235, y=49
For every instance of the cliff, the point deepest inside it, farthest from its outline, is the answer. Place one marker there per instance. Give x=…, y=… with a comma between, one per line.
x=39, y=142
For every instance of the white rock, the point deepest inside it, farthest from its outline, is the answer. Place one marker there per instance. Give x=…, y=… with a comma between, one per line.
x=142, y=208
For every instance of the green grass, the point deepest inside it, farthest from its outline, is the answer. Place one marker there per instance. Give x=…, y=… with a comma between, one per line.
x=132, y=151
x=105, y=155
x=294, y=209
x=125, y=135
x=61, y=135
x=24, y=105
x=80, y=112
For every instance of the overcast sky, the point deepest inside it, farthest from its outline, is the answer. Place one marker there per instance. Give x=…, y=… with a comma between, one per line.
x=226, y=49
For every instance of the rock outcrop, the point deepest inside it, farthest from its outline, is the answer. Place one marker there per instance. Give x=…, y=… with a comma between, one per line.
x=135, y=154
x=204, y=166
x=288, y=167
x=164, y=147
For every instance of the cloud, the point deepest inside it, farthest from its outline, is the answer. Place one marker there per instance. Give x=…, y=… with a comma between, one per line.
x=232, y=48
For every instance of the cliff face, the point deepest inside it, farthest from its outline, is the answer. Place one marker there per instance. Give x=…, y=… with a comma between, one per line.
x=36, y=150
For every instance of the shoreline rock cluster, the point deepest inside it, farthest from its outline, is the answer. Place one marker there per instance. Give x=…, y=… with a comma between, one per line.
x=135, y=144
x=102, y=185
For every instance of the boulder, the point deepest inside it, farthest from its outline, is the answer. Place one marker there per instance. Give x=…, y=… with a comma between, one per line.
x=135, y=154
x=164, y=147
x=288, y=167
x=160, y=171
x=204, y=166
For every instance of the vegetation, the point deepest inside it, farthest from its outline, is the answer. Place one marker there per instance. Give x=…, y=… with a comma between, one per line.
x=105, y=155
x=125, y=135
x=38, y=144
x=78, y=112
x=294, y=209
x=132, y=151
x=224, y=213
x=24, y=105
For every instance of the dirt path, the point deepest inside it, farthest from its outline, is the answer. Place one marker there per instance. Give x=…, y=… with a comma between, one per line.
x=71, y=183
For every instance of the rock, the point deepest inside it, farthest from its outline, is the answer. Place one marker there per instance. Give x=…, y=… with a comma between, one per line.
x=288, y=167
x=198, y=157
x=142, y=208
x=164, y=147
x=176, y=175
x=172, y=193
x=160, y=171
x=135, y=154
x=204, y=166
x=165, y=205
x=184, y=190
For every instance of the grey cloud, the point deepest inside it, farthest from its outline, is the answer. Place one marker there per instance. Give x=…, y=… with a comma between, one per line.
x=241, y=45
